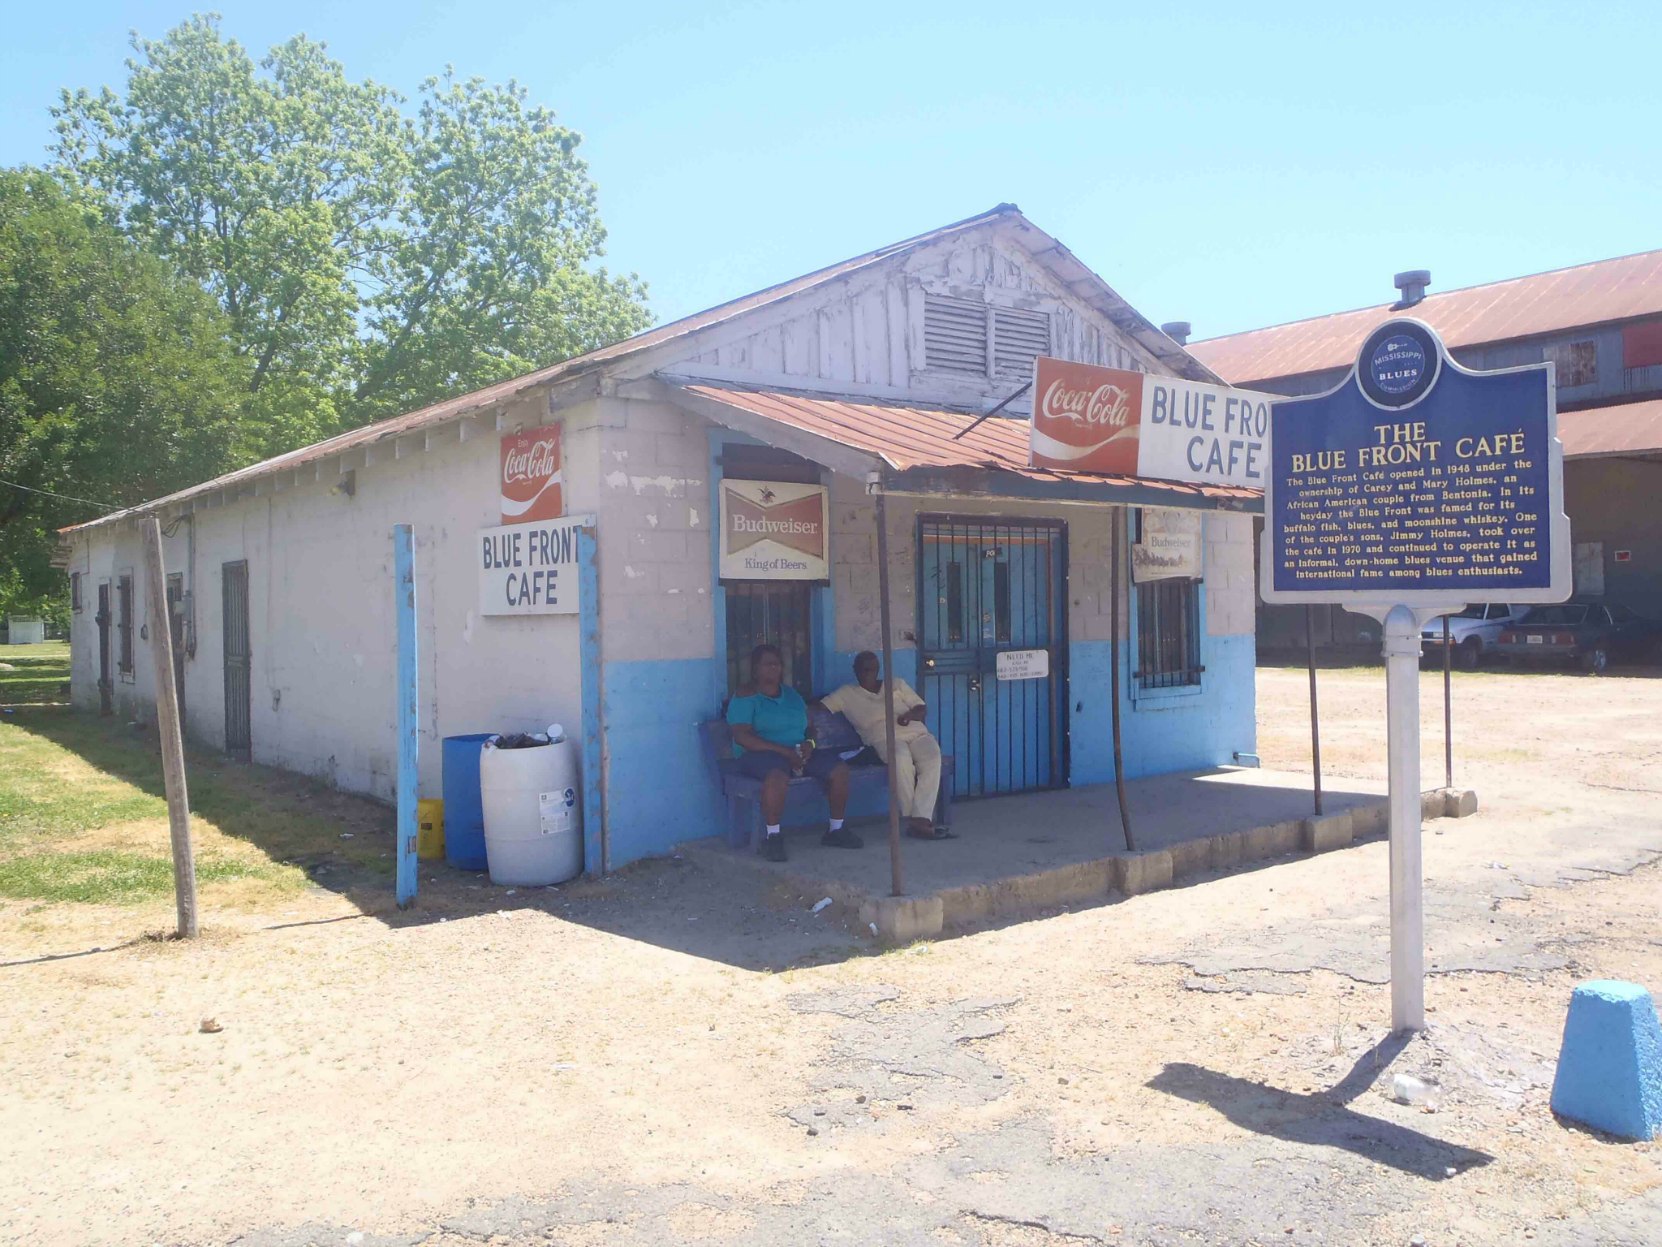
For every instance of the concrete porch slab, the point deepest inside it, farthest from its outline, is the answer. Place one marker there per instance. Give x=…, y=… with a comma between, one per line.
x=1015, y=855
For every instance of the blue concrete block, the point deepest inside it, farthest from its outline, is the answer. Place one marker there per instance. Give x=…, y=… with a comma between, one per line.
x=1610, y=1064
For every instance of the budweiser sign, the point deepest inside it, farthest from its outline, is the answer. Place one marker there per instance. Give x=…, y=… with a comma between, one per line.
x=773, y=530
x=531, y=476
x=1112, y=422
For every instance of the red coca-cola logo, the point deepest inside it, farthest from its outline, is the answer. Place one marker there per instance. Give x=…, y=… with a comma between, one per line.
x=1086, y=418
x=531, y=477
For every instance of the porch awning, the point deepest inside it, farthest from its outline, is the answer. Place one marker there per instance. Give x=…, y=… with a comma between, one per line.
x=913, y=449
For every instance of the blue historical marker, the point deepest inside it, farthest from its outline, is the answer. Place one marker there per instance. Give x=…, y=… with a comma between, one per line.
x=1410, y=490
x=1417, y=482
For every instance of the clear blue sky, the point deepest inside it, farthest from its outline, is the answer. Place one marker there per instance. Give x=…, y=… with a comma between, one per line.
x=1226, y=163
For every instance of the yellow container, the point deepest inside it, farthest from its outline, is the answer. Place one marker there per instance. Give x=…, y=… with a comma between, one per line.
x=430, y=829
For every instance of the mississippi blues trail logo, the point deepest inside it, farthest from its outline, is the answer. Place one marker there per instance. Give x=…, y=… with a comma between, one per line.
x=531, y=476
x=1398, y=365
x=772, y=530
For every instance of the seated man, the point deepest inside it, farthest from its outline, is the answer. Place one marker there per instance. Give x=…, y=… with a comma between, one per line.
x=917, y=753
x=769, y=722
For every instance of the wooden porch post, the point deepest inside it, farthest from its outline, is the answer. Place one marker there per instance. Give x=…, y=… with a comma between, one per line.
x=896, y=884
x=1117, y=541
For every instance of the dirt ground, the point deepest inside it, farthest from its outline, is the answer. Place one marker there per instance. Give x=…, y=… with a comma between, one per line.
x=680, y=1055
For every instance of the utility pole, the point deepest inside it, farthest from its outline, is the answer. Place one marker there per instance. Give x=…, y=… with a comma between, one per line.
x=167, y=727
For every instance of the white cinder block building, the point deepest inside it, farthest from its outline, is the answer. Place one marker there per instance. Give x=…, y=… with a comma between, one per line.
x=850, y=381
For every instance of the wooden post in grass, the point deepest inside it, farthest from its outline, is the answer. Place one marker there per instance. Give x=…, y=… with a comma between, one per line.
x=167, y=729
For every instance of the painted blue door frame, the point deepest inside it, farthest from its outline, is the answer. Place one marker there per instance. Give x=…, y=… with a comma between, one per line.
x=987, y=586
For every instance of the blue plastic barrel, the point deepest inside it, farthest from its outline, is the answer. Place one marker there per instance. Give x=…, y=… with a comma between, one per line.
x=464, y=811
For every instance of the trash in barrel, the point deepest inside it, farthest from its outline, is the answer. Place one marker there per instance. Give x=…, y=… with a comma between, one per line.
x=533, y=823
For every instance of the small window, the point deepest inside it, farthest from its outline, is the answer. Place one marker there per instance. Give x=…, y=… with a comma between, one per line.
x=75, y=592
x=1168, y=632
x=954, y=603
x=124, y=622
x=1578, y=362
x=1001, y=602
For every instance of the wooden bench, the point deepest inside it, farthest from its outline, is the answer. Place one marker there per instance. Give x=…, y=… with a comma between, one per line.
x=867, y=774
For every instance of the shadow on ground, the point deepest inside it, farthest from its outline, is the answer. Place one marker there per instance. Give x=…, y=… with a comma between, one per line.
x=1321, y=1119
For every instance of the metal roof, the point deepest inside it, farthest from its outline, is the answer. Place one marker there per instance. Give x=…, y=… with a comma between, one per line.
x=1045, y=250
x=905, y=437
x=1587, y=294
x=1624, y=429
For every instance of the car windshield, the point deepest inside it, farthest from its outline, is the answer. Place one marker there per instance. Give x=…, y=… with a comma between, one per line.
x=1569, y=613
x=1472, y=612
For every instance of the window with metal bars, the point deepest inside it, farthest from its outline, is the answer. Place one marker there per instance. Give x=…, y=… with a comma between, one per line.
x=124, y=623
x=75, y=591
x=772, y=613
x=979, y=339
x=1168, y=633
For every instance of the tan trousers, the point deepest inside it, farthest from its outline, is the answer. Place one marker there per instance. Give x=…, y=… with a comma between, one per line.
x=917, y=768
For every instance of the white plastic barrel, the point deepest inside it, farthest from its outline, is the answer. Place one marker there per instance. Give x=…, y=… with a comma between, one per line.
x=533, y=824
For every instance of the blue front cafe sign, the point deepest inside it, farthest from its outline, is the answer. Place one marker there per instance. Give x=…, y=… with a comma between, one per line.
x=1417, y=482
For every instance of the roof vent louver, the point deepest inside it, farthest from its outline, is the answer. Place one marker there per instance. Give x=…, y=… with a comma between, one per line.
x=1018, y=337
x=1178, y=331
x=955, y=335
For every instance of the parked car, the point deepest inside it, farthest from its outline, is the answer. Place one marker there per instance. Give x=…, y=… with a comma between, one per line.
x=1472, y=633
x=1581, y=631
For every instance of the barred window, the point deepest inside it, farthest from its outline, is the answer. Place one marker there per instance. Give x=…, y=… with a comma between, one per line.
x=1168, y=632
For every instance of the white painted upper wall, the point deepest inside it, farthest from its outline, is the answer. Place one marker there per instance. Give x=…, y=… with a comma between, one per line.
x=864, y=333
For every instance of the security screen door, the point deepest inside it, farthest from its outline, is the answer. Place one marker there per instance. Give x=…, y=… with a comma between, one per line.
x=987, y=587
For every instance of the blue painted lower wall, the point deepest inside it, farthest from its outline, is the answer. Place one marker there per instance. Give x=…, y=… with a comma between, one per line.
x=1182, y=732
x=660, y=791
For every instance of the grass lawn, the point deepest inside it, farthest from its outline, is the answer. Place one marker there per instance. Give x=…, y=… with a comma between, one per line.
x=83, y=817
x=34, y=675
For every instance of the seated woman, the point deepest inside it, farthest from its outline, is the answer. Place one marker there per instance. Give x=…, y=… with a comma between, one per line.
x=769, y=723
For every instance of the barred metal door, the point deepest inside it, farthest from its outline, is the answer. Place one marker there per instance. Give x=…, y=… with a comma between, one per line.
x=238, y=692
x=988, y=587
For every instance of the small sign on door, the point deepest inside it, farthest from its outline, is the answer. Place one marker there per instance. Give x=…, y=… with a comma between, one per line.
x=1023, y=664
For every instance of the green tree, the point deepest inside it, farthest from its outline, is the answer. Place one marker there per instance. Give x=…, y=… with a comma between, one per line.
x=369, y=262
x=118, y=378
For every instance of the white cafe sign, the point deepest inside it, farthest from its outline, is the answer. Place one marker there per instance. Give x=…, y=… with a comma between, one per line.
x=530, y=569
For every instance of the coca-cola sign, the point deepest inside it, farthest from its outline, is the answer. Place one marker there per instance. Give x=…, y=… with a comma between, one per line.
x=1111, y=422
x=1086, y=419
x=532, y=483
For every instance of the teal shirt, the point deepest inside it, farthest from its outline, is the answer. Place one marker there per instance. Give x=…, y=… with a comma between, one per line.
x=782, y=719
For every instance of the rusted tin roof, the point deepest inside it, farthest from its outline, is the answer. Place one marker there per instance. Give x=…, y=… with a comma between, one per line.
x=905, y=436
x=1588, y=294
x=1045, y=249
x=1623, y=429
